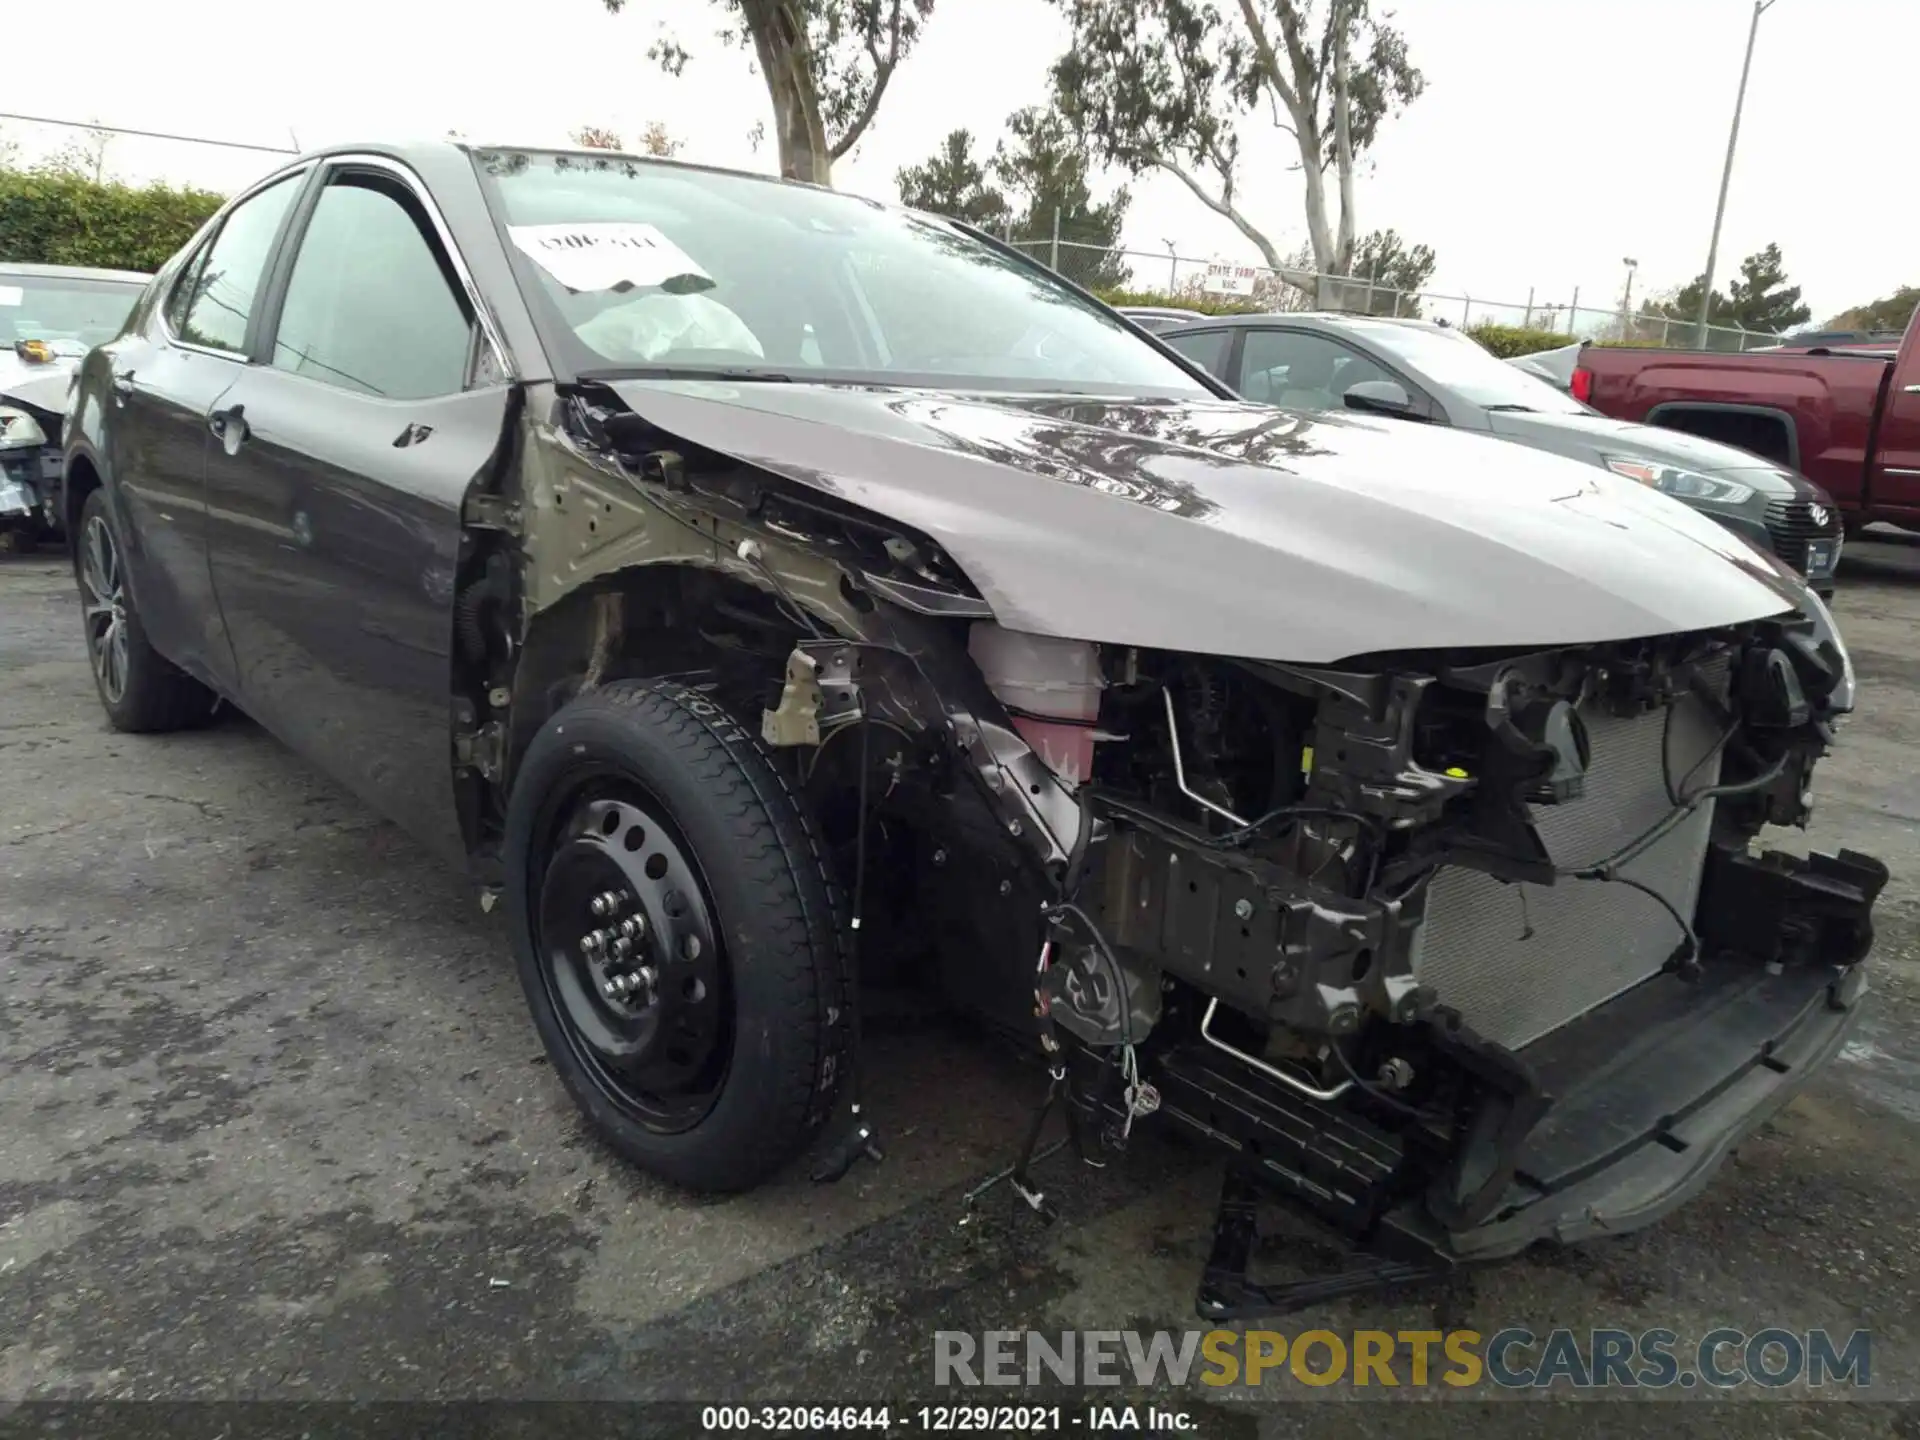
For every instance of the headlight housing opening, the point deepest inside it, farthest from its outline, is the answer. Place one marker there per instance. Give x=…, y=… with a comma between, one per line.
x=19, y=430
x=1679, y=483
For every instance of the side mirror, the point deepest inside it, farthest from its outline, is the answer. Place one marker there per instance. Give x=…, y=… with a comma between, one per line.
x=1378, y=397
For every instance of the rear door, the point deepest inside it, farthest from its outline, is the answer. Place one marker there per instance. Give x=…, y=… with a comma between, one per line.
x=166, y=380
x=1894, y=483
x=336, y=485
x=1211, y=350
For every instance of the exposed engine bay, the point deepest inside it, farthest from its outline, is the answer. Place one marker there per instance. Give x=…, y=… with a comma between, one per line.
x=1457, y=950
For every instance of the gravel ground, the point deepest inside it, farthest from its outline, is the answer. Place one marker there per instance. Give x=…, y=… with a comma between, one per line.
x=277, y=1127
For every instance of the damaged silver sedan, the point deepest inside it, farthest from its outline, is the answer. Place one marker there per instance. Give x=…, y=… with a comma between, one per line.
x=758, y=587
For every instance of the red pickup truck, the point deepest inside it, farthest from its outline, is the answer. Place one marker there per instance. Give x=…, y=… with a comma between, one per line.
x=1847, y=420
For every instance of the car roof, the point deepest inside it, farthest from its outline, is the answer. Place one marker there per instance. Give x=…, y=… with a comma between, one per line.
x=1322, y=319
x=1807, y=337
x=71, y=272
x=427, y=156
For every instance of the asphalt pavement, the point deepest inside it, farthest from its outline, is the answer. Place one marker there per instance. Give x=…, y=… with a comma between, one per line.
x=274, y=1125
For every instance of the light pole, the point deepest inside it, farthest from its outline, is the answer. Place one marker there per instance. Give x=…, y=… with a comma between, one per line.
x=1760, y=7
x=1173, y=266
x=1626, y=300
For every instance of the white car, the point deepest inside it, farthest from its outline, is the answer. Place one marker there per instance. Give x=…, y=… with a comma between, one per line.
x=50, y=316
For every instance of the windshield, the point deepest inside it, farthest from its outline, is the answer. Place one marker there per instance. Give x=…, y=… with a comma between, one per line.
x=634, y=265
x=1456, y=362
x=80, y=311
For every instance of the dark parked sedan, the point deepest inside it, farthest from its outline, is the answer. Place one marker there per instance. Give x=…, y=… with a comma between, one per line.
x=749, y=582
x=1415, y=370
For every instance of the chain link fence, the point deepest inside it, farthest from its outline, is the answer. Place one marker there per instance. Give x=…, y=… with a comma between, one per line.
x=1184, y=278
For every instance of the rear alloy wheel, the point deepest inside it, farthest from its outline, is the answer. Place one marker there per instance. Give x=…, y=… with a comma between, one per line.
x=105, y=599
x=140, y=689
x=677, y=934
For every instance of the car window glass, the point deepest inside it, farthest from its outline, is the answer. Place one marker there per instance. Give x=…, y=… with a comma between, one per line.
x=369, y=305
x=1457, y=365
x=1300, y=370
x=70, y=312
x=183, y=288
x=631, y=264
x=220, y=289
x=1353, y=368
x=1206, y=350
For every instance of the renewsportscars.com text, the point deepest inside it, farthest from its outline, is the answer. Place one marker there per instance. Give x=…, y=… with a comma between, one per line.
x=1513, y=1358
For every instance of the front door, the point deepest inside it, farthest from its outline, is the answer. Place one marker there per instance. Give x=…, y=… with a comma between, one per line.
x=334, y=496
x=166, y=380
x=1301, y=370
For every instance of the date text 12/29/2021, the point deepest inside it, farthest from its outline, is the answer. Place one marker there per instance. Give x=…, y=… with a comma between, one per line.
x=958, y=1419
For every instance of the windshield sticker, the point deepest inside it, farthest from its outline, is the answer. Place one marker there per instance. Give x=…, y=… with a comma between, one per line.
x=610, y=255
x=12, y=295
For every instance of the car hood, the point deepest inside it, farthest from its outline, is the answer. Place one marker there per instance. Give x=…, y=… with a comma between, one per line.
x=1602, y=435
x=43, y=385
x=1234, y=529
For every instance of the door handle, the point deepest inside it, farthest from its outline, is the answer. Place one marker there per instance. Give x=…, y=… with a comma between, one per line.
x=123, y=384
x=1913, y=389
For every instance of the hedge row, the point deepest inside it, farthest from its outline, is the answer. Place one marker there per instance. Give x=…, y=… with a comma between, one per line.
x=1505, y=340
x=59, y=219
x=1205, y=304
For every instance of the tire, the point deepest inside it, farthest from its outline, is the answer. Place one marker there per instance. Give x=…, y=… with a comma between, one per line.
x=655, y=787
x=141, y=690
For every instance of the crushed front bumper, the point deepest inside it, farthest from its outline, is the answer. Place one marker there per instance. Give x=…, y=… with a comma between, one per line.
x=1651, y=1092
x=17, y=497
x=1599, y=1127
x=1627, y=1111
x=1630, y=1112
x=28, y=478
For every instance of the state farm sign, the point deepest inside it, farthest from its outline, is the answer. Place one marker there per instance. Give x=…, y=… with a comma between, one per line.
x=1229, y=279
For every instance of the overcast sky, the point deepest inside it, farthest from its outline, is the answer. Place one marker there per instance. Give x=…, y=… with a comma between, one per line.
x=1556, y=137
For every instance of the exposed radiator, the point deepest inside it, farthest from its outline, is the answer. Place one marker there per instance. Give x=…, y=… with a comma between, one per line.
x=1520, y=960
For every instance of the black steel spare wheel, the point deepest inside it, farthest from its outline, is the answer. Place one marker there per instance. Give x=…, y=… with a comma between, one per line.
x=632, y=957
x=677, y=934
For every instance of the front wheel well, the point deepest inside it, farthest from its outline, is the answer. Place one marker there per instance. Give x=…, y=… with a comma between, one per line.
x=649, y=623
x=81, y=480
x=1759, y=430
